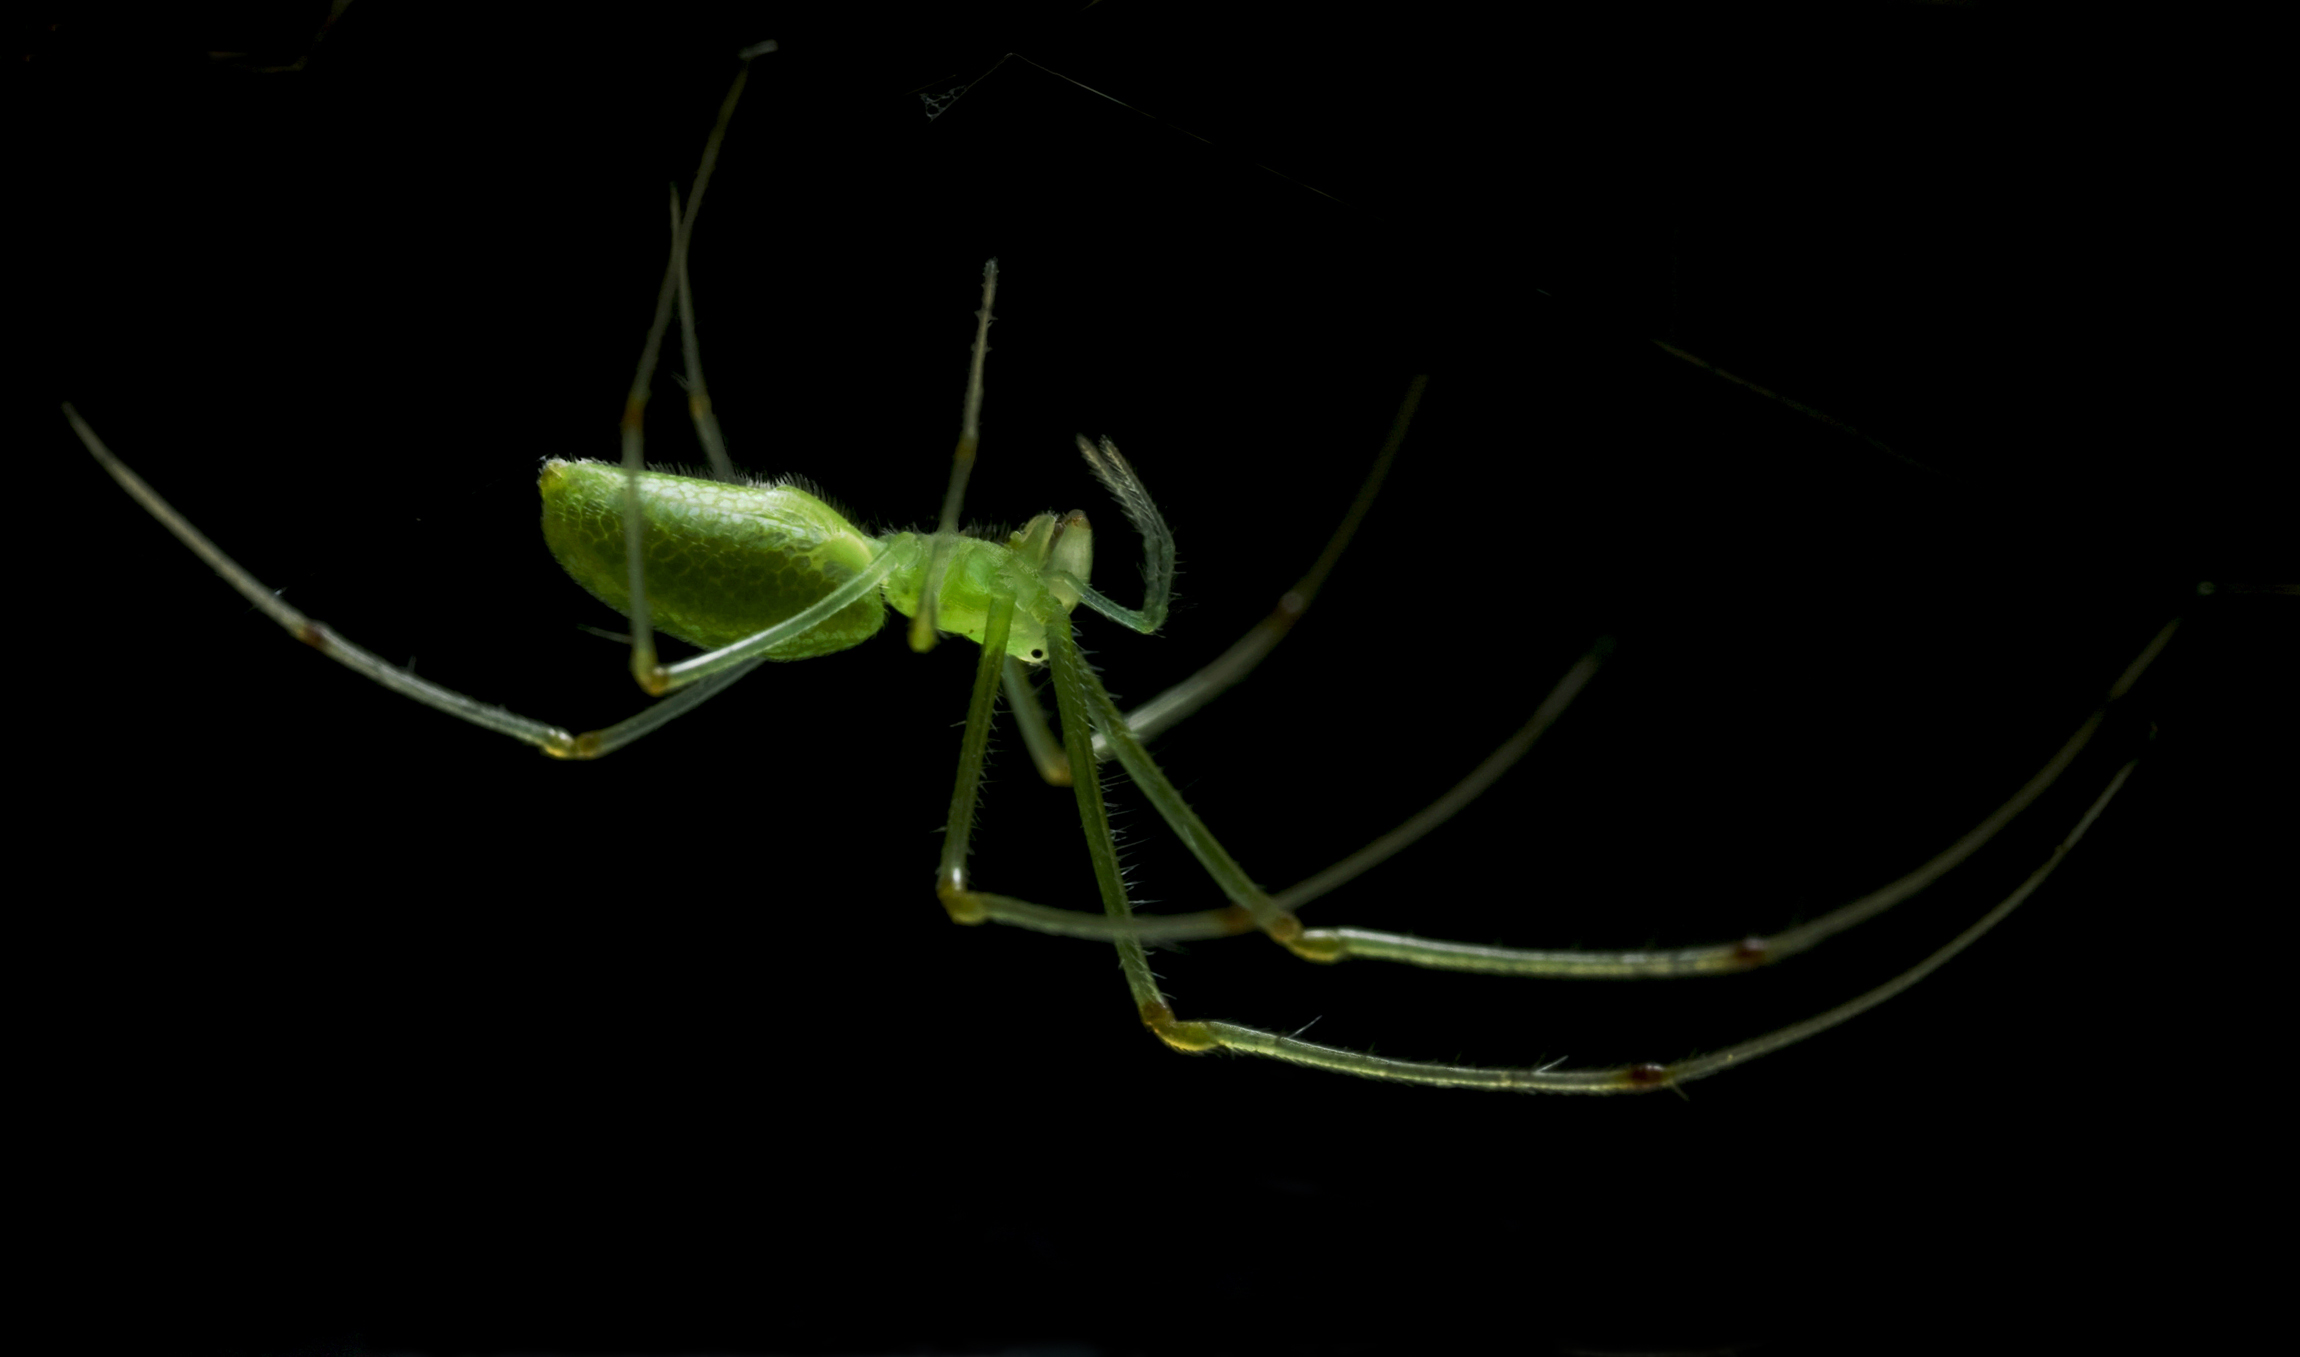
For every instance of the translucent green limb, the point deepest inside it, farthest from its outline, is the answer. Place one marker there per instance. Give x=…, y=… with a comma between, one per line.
x=898, y=552
x=698, y=394
x=550, y=739
x=922, y=625
x=645, y=667
x=1073, y=681
x=1076, y=687
x=973, y=752
x=1038, y=738
x=969, y=906
x=1336, y=944
x=984, y=907
x=1242, y=917
x=1626, y=1078
x=1251, y=907
x=1125, y=486
x=1470, y=788
x=1172, y=808
x=593, y=743
x=1718, y=1061
x=1186, y=697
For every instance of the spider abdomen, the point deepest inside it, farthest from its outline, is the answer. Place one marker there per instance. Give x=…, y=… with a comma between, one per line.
x=723, y=561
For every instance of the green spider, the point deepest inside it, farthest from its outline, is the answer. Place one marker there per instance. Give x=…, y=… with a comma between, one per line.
x=750, y=572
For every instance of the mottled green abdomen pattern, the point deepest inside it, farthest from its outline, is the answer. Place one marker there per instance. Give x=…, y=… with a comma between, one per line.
x=723, y=561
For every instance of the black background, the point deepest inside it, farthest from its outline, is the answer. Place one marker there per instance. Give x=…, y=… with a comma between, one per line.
x=361, y=1027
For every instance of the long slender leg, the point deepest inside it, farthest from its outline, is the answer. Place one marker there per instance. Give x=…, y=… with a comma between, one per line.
x=645, y=667
x=1071, y=681
x=1504, y=757
x=1167, y=708
x=1335, y=944
x=974, y=750
x=922, y=632
x=1199, y=1036
x=1038, y=739
x=652, y=675
x=955, y=889
x=1186, y=697
x=698, y=394
x=1196, y=1036
x=551, y=739
x=1077, y=691
x=698, y=679
x=1234, y=664
x=1251, y=904
x=1178, y=702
